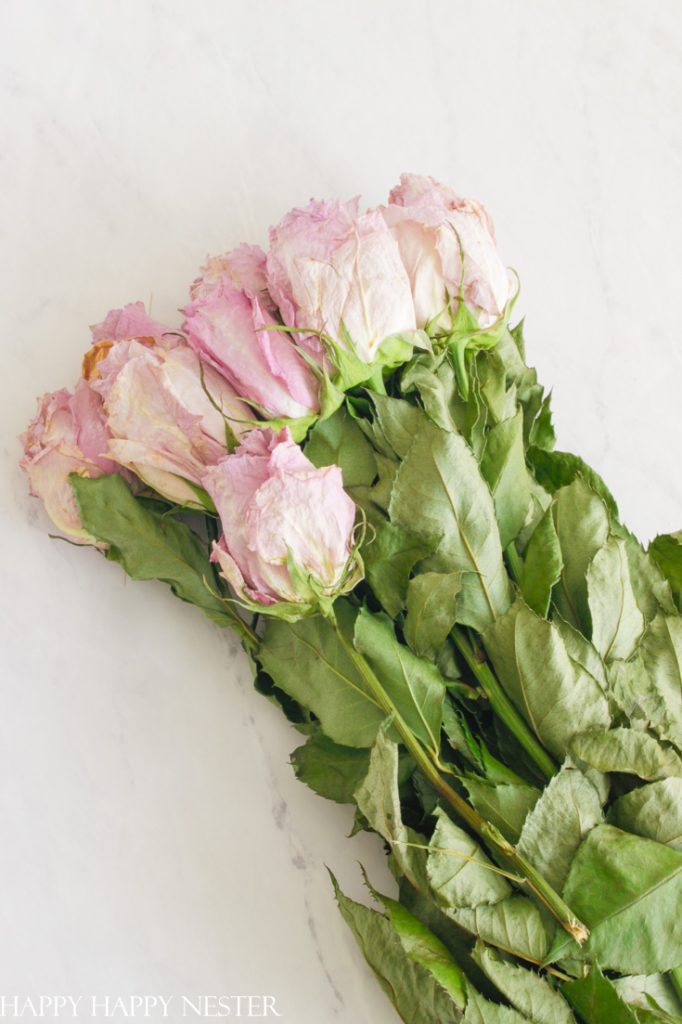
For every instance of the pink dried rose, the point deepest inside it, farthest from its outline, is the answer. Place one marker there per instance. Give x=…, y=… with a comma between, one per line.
x=131, y=321
x=448, y=246
x=228, y=323
x=287, y=526
x=169, y=415
x=68, y=435
x=332, y=270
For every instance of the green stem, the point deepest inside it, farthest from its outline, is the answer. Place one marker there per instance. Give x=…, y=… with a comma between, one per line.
x=246, y=635
x=458, y=347
x=487, y=832
x=514, y=562
x=503, y=707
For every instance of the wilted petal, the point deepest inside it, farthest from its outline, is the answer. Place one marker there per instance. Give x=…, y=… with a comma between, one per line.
x=131, y=321
x=230, y=324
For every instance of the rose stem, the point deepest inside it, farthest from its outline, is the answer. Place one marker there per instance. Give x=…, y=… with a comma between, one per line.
x=502, y=706
x=486, y=831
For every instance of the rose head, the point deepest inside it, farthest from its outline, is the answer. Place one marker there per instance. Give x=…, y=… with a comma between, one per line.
x=287, y=526
x=169, y=415
x=68, y=435
x=448, y=247
x=334, y=271
x=227, y=325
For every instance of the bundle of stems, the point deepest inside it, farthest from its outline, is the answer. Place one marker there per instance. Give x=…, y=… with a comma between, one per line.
x=498, y=695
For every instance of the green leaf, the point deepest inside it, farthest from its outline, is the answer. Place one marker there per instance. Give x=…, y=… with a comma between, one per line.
x=526, y=991
x=459, y=872
x=434, y=378
x=482, y=1011
x=617, y=622
x=447, y=664
x=399, y=421
x=541, y=434
x=655, y=1014
x=652, y=590
x=567, y=810
x=626, y=750
x=378, y=799
x=514, y=339
x=492, y=371
x=149, y=545
x=538, y=431
x=504, y=468
x=639, y=989
x=514, y=925
x=431, y=611
x=414, y=685
x=582, y=526
x=416, y=990
x=390, y=553
x=555, y=694
x=583, y=654
x=299, y=717
x=424, y=948
x=378, y=496
x=460, y=737
x=506, y=805
x=555, y=470
x=440, y=494
x=339, y=441
x=661, y=701
x=596, y=1000
x=458, y=942
x=627, y=890
x=653, y=811
x=331, y=770
x=306, y=659
x=666, y=550
x=542, y=565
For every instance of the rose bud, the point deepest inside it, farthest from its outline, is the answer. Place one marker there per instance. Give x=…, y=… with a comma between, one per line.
x=287, y=526
x=331, y=270
x=68, y=435
x=169, y=415
x=227, y=325
x=448, y=247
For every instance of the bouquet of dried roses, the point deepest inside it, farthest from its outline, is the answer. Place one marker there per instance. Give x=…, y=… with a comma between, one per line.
x=342, y=454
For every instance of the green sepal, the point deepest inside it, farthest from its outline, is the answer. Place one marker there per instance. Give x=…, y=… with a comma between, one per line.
x=394, y=351
x=466, y=336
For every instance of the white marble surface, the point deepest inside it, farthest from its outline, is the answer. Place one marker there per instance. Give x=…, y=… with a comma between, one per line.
x=154, y=839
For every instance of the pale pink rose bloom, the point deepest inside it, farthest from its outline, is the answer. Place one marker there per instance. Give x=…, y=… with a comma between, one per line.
x=68, y=435
x=226, y=325
x=166, y=412
x=275, y=505
x=330, y=267
x=129, y=322
x=447, y=243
